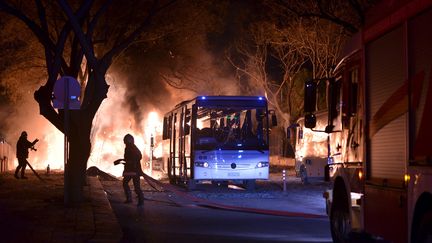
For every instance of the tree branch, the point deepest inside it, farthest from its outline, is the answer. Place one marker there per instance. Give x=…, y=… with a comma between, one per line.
x=73, y=20
x=41, y=34
x=107, y=58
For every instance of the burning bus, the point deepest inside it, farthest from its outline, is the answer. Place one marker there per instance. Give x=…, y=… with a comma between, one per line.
x=379, y=127
x=311, y=153
x=217, y=139
x=313, y=150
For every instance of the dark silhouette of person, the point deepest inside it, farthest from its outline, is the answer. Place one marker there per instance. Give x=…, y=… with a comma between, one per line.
x=132, y=170
x=22, y=147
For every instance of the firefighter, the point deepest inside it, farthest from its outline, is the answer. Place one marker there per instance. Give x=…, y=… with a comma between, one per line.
x=22, y=147
x=132, y=169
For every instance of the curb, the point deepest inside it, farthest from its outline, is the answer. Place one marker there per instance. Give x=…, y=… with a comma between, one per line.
x=107, y=227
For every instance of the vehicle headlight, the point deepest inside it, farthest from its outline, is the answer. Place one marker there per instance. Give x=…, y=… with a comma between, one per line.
x=262, y=164
x=202, y=164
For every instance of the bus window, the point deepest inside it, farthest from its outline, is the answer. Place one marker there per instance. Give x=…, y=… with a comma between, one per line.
x=187, y=122
x=231, y=128
x=165, y=129
x=247, y=125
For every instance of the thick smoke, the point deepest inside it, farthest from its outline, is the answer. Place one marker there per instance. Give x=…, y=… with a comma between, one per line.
x=139, y=94
x=138, y=98
x=189, y=65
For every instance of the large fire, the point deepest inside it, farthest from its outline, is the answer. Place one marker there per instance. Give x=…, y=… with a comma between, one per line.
x=316, y=143
x=111, y=123
x=108, y=146
x=313, y=142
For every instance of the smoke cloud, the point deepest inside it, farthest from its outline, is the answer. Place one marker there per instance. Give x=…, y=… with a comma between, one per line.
x=138, y=98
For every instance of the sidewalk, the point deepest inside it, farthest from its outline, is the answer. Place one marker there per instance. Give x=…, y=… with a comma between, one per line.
x=33, y=211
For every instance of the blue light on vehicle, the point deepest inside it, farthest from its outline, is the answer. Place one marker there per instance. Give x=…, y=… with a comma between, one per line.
x=239, y=156
x=203, y=97
x=260, y=98
x=239, y=144
x=241, y=151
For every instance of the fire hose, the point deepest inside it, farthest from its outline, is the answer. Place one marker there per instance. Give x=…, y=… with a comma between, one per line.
x=36, y=174
x=31, y=167
x=209, y=204
x=206, y=203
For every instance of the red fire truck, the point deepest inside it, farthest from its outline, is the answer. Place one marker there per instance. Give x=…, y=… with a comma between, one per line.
x=379, y=125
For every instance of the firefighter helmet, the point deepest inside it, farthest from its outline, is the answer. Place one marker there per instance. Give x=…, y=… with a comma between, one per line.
x=128, y=138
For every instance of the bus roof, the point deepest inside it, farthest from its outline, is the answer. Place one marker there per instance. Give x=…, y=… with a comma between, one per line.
x=225, y=101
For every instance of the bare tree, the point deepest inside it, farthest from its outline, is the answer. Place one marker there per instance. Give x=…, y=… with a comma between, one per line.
x=319, y=41
x=82, y=41
x=19, y=57
x=267, y=42
x=348, y=14
x=298, y=34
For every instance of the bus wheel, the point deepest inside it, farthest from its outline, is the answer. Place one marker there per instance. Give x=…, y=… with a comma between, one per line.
x=423, y=233
x=303, y=174
x=340, y=224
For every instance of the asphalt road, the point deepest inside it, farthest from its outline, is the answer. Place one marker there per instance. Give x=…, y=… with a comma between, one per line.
x=166, y=217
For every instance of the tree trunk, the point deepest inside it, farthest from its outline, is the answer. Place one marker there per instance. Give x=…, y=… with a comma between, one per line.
x=79, y=152
x=79, y=127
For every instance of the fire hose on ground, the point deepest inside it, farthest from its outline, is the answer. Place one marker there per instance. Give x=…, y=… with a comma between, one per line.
x=31, y=167
x=206, y=203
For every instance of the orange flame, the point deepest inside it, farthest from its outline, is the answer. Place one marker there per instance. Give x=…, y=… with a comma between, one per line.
x=107, y=135
x=314, y=143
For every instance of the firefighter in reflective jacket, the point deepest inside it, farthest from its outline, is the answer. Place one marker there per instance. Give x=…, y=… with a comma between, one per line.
x=132, y=169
